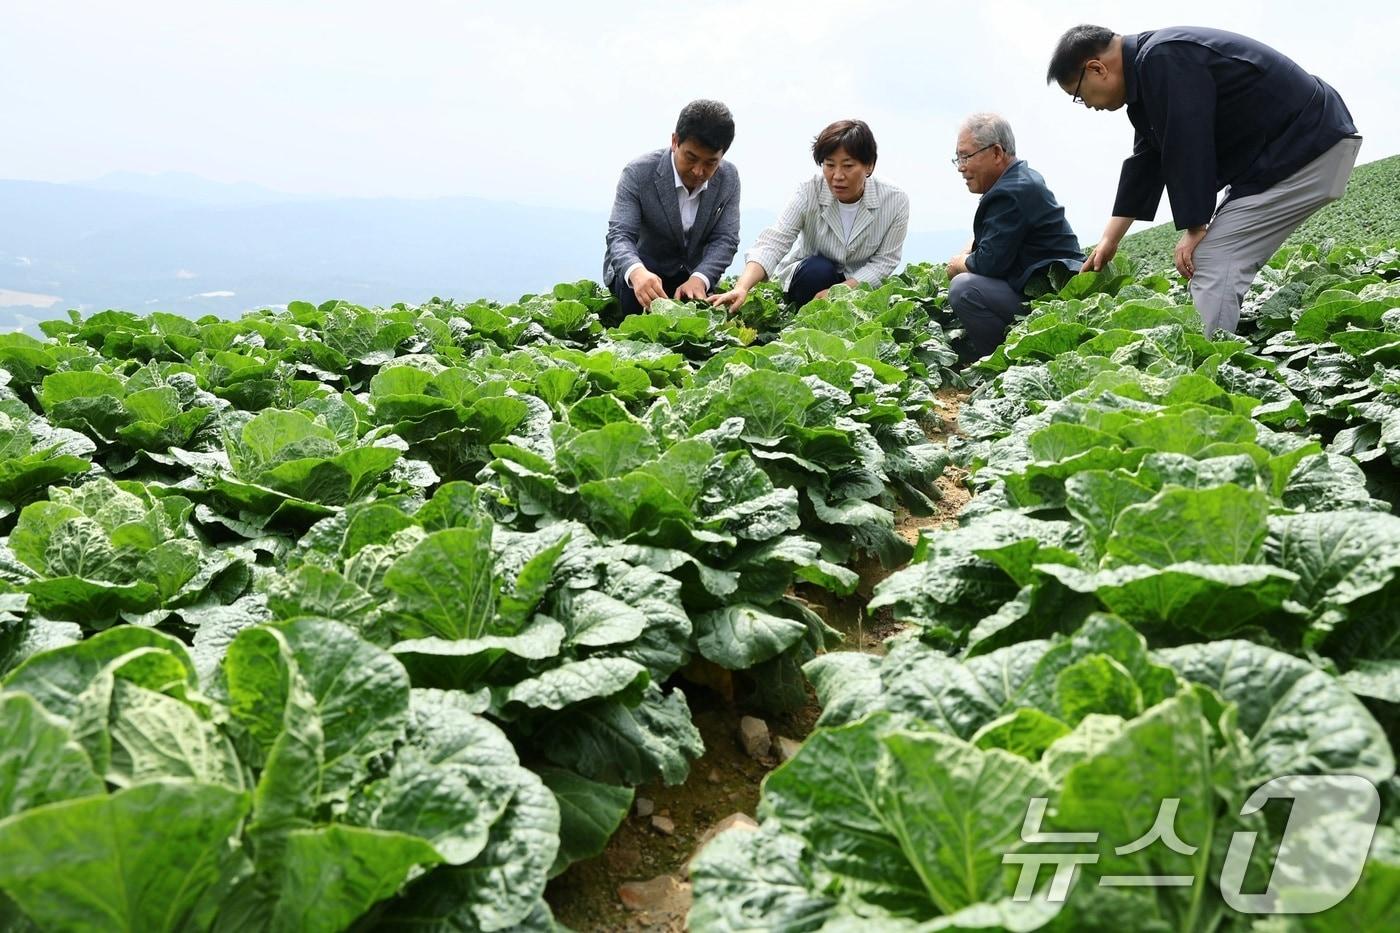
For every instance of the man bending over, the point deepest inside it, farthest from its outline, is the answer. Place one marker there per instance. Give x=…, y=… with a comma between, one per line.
x=1212, y=110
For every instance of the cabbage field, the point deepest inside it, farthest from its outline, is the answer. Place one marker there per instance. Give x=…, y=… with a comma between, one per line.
x=338, y=618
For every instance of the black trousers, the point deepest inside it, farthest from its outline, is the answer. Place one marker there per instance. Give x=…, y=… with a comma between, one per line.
x=813, y=274
x=986, y=307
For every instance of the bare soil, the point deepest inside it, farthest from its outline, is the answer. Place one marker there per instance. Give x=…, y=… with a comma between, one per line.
x=723, y=781
x=726, y=780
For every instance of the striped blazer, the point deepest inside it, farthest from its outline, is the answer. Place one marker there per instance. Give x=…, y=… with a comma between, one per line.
x=811, y=224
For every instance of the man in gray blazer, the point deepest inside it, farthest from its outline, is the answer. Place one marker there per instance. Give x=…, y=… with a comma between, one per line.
x=674, y=227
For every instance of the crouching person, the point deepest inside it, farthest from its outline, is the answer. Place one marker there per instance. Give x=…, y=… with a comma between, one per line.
x=1019, y=230
x=843, y=226
x=674, y=227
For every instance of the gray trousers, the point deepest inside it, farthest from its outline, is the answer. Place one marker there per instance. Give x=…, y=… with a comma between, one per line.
x=986, y=307
x=1247, y=231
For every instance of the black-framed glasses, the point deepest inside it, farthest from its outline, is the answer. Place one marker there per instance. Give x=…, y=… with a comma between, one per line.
x=960, y=161
x=1075, y=98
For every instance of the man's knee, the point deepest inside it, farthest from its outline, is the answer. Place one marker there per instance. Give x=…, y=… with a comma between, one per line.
x=1209, y=270
x=963, y=291
x=1212, y=252
x=1217, y=301
x=972, y=294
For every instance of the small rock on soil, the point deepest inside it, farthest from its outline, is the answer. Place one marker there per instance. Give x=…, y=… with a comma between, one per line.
x=736, y=822
x=753, y=735
x=664, y=894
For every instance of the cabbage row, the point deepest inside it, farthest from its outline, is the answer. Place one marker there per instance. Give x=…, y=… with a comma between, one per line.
x=337, y=616
x=1179, y=578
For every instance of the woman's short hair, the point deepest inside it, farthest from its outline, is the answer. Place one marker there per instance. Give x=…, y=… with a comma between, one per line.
x=852, y=135
x=708, y=122
x=991, y=129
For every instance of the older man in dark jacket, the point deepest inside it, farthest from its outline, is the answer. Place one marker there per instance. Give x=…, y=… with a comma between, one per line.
x=1019, y=230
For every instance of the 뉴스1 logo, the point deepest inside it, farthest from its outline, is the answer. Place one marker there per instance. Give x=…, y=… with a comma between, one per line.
x=1320, y=859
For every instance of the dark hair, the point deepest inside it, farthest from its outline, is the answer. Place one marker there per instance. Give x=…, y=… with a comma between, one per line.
x=852, y=135
x=1076, y=47
x=708, y=122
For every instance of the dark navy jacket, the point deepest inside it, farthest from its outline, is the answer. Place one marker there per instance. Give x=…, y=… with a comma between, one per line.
x=1211, y=109
x=1020, y=228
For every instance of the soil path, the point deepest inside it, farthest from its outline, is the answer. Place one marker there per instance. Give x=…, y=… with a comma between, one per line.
x=725, y=780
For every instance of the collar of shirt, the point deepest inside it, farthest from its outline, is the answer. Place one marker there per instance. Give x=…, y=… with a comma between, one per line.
x=1130, y=68
x=681, y=185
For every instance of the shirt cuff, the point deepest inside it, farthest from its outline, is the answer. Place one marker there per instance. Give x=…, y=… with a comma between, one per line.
x=627, y=276
x=703, y=279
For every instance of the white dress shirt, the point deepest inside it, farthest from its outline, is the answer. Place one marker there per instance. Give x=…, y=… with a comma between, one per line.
x=690, y=204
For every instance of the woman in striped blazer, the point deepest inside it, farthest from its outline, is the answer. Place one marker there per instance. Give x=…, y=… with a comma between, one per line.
x=841, y=226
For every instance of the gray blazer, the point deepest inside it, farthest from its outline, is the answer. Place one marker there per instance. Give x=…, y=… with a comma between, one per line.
x=645, y=225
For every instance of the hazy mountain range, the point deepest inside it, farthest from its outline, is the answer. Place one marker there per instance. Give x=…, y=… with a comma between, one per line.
x=182, y=243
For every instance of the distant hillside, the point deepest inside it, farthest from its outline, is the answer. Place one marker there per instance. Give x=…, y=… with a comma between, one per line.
x=192, y=188
x=181, y=243
x=1369, y=213
x=96, y=249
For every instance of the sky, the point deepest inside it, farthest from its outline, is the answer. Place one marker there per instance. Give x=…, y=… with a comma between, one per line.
x=543, y=102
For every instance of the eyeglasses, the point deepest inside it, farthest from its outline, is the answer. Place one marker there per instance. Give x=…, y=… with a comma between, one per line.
x=1075, y=98
x=960, y=161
